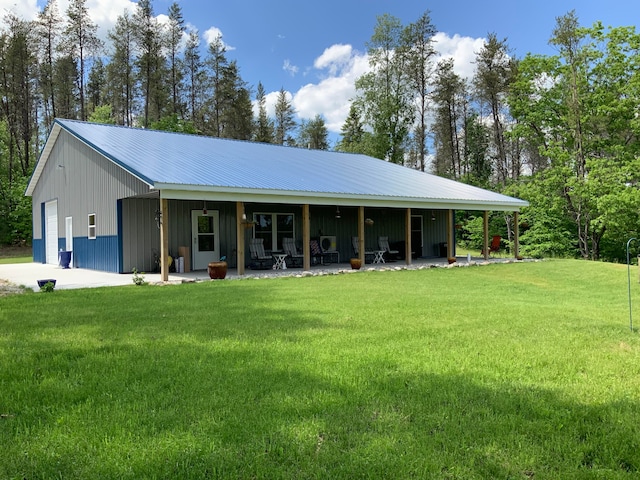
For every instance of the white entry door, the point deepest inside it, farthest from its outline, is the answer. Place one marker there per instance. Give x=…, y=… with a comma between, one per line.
x=51, y=232
x=68, y=232
x=205, y=238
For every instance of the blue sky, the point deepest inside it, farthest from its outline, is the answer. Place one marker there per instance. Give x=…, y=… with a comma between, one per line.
x=315, y=50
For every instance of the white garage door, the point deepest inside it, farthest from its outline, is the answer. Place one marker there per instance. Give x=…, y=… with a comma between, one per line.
x=51, y=231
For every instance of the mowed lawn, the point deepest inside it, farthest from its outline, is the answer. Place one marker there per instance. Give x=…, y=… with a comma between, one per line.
x=520, y=371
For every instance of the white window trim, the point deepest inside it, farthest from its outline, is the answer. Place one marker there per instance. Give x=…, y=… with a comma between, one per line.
x=274, y=224
x=92, y=228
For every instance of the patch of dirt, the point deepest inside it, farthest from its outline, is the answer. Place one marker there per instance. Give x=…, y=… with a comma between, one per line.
x=7, y=289
x=15, y=251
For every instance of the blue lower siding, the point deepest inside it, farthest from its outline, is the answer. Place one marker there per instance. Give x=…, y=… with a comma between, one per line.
x=37, y=247
x=99, y=254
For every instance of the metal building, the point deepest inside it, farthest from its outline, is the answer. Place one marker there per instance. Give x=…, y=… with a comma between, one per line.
x=122, y=198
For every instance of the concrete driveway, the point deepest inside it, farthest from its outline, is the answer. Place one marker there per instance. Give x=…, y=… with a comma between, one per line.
x=28, y=274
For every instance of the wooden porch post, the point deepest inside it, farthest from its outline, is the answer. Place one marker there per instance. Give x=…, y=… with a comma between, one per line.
x=407, y=238
x=361, y=233
x=240, y=237
x=306, y=237
x=485, y=237
x=449, y=234
x=164, y=240
x=516, y=234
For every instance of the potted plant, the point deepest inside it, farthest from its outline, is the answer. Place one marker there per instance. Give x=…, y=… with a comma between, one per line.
x=218, y=270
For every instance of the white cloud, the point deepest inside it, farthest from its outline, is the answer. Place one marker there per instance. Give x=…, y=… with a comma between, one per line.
x=340, y=65
x=331, y=97
x=462, y=49
x=214, y=32
x=26, y=9
x=334, y=58
x=290, y=68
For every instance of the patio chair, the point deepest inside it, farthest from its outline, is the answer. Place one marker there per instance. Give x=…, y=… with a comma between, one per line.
x=368, y=255
x=322, y=256
x=317, y=255
x=392, y=255
x=294, y=258
x=495, y=244
x=261, y=260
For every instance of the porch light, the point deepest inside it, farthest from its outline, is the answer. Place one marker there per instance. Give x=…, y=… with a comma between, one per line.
x=433, y=216
x=368, y=222
x=204, y=207
x=338, y=212
x=158, y=218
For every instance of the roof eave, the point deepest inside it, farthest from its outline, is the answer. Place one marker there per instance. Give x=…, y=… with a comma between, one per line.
x=237, y=194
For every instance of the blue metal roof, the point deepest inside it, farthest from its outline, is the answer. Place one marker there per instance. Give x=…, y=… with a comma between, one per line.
x=186, y=162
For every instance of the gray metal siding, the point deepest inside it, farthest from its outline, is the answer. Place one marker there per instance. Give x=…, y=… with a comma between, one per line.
x=140, y=234
x=83, y=182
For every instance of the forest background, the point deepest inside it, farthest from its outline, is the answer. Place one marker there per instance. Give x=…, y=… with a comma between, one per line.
x=560, y=131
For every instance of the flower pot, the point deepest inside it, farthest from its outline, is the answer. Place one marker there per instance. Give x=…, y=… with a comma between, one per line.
x=451, y=260
x=356, y=263
x=217, y=270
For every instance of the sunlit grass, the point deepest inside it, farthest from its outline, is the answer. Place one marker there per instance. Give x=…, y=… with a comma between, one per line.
x=503, y=371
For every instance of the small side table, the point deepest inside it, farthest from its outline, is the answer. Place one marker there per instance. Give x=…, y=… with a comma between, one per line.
x=378, y=256
x=279, y=263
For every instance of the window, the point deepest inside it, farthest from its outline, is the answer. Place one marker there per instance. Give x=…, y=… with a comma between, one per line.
x=272, y=228
x=92, y=226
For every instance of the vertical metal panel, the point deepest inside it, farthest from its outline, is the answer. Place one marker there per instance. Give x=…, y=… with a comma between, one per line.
x=140, y=234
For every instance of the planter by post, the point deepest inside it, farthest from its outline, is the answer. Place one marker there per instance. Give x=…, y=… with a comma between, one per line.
x=356, y=263
x=217, y=270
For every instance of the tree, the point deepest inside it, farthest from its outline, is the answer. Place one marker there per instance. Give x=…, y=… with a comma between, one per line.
x=284, y=121
x=175, y=32
x=384, y=94
x=493, y=76
x=121, y=82
x=580, y=109
x=352, y=132
x=313, y=134
x=264, y=131
x=82, y=43
x=450, y=99
x=237, y=111
x=417, y=47
x=150, y=62
x=48, y=29
x=96, y=85
x=216, y=62
x=195, y=80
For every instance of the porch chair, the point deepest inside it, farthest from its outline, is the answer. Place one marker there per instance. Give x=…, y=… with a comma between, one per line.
x=261, y=260
x=495, y=244
x=294, y=258
x=392, y=255
x=317, y=255
x=368, y=255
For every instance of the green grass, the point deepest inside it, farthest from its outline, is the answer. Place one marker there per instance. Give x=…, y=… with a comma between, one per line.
x=11, y=254
x=524, y=370
x=11, y=260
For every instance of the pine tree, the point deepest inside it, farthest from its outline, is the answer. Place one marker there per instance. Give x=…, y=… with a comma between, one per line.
x=150, y=62
x=264, y=131
x=313, y=134
x=121, y=82
x=284, y=121
x=175, y=32
x=48, y=28
x=82, y=43
x=195, y=80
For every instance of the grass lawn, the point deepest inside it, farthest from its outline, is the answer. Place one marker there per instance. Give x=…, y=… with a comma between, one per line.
x=521, y=371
